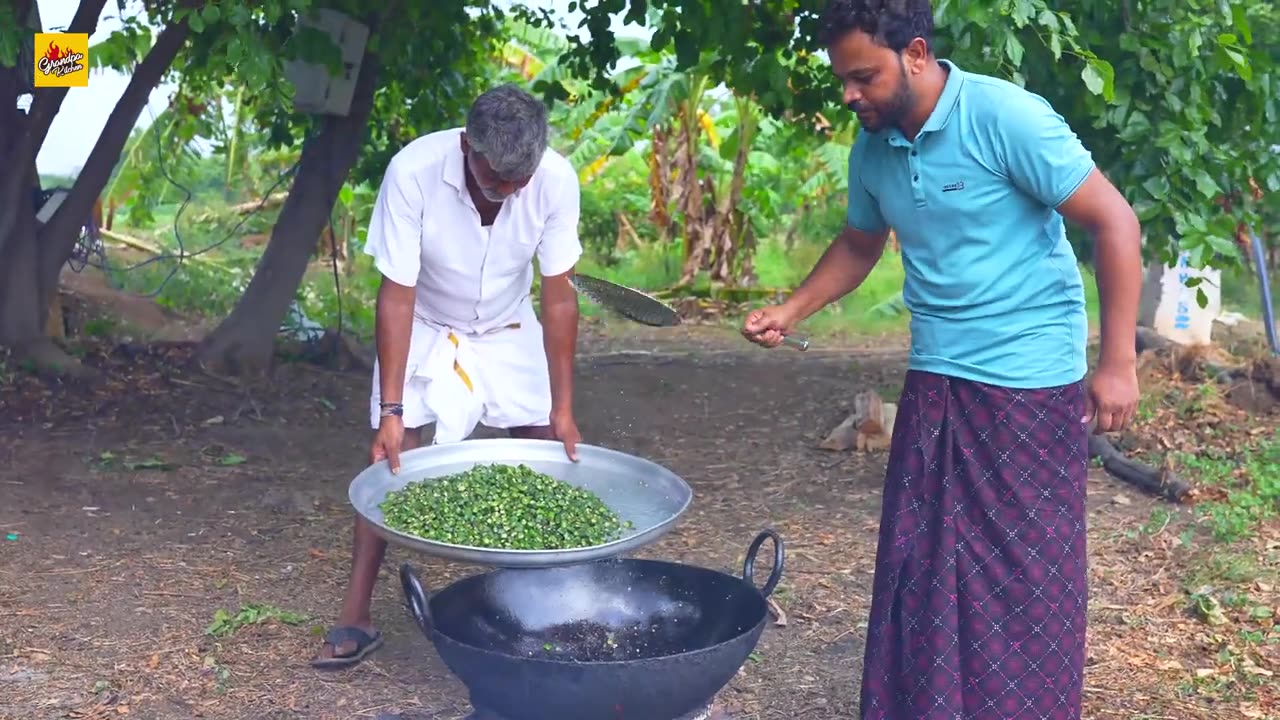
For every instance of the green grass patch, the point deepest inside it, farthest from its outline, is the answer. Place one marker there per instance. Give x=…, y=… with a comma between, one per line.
x=1250, y=480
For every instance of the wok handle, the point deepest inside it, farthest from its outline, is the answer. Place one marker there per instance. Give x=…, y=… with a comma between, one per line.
x=749, y=565
x=416, y=597
x=795, y=341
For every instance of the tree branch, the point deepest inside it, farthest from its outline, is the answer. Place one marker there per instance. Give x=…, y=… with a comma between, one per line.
x=47, y=101
x=30, y=131
x=58, y=237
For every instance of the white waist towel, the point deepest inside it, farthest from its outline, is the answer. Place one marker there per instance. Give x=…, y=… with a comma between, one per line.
x=458, y=380
x=453, y=394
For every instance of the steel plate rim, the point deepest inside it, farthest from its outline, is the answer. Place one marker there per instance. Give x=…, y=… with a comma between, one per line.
x=517, y=558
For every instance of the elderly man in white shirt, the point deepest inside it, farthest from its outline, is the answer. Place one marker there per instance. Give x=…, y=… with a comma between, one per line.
x=460, y=218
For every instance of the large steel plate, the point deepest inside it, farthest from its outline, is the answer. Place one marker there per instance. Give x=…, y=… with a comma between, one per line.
x=649, y=495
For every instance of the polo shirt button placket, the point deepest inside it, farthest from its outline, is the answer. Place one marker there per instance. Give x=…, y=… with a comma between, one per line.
x=917, y=190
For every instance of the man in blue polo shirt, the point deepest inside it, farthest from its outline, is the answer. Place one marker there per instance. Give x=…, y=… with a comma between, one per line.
x=978, y=607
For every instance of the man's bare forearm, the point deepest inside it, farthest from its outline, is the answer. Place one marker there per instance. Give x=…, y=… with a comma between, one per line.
x=560, y=338
x=841, y=269
x=393, y=326
x=1118, y=255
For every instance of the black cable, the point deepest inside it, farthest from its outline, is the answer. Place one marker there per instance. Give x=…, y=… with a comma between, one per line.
x=182, y=254
x=333, y=262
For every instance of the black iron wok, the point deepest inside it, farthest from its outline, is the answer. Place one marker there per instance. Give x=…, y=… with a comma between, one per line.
x=606, y=640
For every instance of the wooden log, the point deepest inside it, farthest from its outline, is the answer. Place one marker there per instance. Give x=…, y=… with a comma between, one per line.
x=144, y=246
x=271, y=201
x=1160, y=483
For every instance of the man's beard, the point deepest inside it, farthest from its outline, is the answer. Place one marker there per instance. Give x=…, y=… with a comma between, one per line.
x=892, y=113
x=491, y=195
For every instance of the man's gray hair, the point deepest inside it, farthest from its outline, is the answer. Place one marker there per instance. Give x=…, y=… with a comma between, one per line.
x=508, y=126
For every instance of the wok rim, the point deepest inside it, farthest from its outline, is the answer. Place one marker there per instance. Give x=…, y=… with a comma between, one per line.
x=751, y=591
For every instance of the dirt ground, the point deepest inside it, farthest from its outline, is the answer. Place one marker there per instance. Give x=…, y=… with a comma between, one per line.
x=177, y=542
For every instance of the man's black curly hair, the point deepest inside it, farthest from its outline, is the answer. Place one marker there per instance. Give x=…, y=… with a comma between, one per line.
x=891, y=23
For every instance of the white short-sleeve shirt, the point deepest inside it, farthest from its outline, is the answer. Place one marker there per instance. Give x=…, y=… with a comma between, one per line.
x=425, y=232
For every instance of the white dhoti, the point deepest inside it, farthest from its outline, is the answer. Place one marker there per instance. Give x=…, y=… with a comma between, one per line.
x=459, y=380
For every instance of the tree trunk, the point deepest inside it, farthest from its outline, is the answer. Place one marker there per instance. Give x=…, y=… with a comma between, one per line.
x=35, y=255
x=58, y=237
x=731, y=260
x=697, y=232
x=659, y=182
x=245, y=341
x=21, y=320
x=22, y=135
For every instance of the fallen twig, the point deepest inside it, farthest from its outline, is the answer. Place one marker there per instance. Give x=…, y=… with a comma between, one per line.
x=780, y=616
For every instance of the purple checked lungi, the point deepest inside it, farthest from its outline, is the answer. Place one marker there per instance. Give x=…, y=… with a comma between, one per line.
x=978, y=608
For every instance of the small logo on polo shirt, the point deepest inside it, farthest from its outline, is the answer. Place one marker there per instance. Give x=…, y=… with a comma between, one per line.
x=953, y=186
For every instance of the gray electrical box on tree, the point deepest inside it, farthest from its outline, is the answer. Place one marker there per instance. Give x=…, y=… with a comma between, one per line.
x=315, y=90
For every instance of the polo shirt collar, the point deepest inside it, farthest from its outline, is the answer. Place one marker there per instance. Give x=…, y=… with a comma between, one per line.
x=453, y=171
x=942, y=111
x=946, y=106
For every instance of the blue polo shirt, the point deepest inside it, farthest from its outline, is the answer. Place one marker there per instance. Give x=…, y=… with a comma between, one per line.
x=992, y=284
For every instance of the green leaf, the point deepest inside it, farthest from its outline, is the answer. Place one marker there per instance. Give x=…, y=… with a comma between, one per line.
x=1146, y=210
x=1195, y=255
x=1222, y=245
x=729, y=145
x=195, y=22
x=1195, y=41
x=211, y=14
x=235, y=51
x=1055, y=45
x=1241, y=22
x=1240, y=60
x=1093, y=79
x=1157, y=186
x=1207, y=186
x=11, y=35
x=1196, y=222
x=1013, y=49
x=1022, y=12
x=1100, y=78
x=152, y=463
x=1201, y=299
